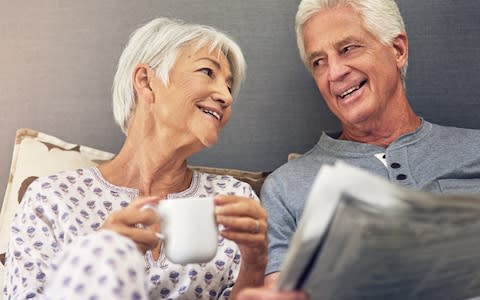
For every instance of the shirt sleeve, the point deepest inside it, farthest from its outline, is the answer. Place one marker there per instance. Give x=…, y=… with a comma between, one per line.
x=31, y=246
x=281, y=221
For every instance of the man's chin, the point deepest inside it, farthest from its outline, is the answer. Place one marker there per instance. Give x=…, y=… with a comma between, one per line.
x=358, y=116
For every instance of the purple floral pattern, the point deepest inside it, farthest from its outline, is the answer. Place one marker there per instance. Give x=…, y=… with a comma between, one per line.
x=60, y=209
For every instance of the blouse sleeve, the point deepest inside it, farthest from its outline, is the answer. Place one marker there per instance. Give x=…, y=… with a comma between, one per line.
x=245, y=190
x=32, y=245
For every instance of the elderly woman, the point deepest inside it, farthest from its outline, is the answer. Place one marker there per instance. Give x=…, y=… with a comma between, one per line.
x=76, y=235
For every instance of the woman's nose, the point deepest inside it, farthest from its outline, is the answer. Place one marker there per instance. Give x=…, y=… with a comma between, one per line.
x=223, y=95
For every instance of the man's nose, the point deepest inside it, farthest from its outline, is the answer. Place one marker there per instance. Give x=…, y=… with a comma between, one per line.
x=337, y=69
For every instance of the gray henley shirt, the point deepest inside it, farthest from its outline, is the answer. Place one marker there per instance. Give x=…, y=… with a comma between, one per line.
x=433, y=158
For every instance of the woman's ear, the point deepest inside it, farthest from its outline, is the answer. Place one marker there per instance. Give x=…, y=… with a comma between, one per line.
x=141, y=82
x=400, y=46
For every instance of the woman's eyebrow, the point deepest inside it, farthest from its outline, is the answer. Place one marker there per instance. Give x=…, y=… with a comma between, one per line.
x=213, y=61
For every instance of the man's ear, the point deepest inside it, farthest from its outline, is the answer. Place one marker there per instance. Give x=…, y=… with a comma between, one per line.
x=141, y=82
x=400, y=47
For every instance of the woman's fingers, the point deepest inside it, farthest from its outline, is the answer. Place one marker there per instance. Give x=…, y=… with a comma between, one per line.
x=238, y=206
x=264, y=293
x=246, y=225
x=131, y=217
x=244, y=221
x=135, y=213
x=136, y=222
x=240, y=214
x=141, y=201
x=145, y=238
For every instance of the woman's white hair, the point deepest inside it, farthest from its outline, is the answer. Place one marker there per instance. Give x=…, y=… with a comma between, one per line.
x=157, y=44
x=382, y=18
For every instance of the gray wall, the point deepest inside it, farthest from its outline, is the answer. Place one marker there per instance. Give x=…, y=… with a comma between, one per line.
x=58, y=58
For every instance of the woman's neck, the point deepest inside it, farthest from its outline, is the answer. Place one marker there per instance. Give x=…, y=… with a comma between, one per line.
x=160, y=173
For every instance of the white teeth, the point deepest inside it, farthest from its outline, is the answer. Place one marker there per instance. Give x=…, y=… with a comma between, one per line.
x=213, y=113
x=350, y=90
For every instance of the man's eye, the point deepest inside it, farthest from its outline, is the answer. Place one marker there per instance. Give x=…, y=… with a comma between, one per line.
x=207, y=71
x=348, y=48
x=318, y=63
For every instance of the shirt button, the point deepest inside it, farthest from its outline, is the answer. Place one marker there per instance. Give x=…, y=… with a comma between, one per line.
x=395, y=165
x=401, y=177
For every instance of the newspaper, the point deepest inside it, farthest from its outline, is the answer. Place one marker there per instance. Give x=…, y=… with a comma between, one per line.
x=362, y=237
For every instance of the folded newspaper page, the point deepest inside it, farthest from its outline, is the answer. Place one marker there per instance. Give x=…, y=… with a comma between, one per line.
x=362, y=237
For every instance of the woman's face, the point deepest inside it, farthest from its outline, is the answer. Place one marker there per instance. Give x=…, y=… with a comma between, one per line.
x=197, y=102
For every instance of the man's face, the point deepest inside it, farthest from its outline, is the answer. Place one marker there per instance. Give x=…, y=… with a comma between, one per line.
x=357, y=75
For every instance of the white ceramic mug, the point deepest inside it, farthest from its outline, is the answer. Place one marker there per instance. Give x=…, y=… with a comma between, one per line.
x=189, y=230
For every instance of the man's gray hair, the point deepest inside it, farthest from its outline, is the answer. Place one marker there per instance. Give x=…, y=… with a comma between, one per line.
x=382, y=18
x=158, y=44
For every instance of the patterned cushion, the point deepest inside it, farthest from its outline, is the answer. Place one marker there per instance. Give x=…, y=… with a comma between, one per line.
x=37, y=154
x=293, y=155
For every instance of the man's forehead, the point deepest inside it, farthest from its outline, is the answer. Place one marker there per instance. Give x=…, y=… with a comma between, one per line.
x=320, y=35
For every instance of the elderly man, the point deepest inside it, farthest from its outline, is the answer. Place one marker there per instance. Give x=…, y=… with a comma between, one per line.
x=357, y=53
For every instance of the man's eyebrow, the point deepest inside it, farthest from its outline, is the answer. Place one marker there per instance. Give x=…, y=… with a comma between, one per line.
x=345, y=41
x=315, y=54
x=348, y=40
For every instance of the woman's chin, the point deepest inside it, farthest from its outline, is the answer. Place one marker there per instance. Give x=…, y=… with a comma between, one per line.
x=209, y=141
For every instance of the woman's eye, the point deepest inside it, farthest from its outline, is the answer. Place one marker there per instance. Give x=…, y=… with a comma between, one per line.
x=207, y=71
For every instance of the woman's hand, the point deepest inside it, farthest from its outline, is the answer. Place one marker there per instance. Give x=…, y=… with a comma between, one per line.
x=245, y=222
x=136, y=222
x=265, y=293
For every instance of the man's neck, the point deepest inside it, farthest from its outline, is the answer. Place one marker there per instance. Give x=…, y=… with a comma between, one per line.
x=382, y=134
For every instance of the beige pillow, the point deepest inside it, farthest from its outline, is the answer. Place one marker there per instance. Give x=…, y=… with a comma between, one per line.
x=37, y=154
